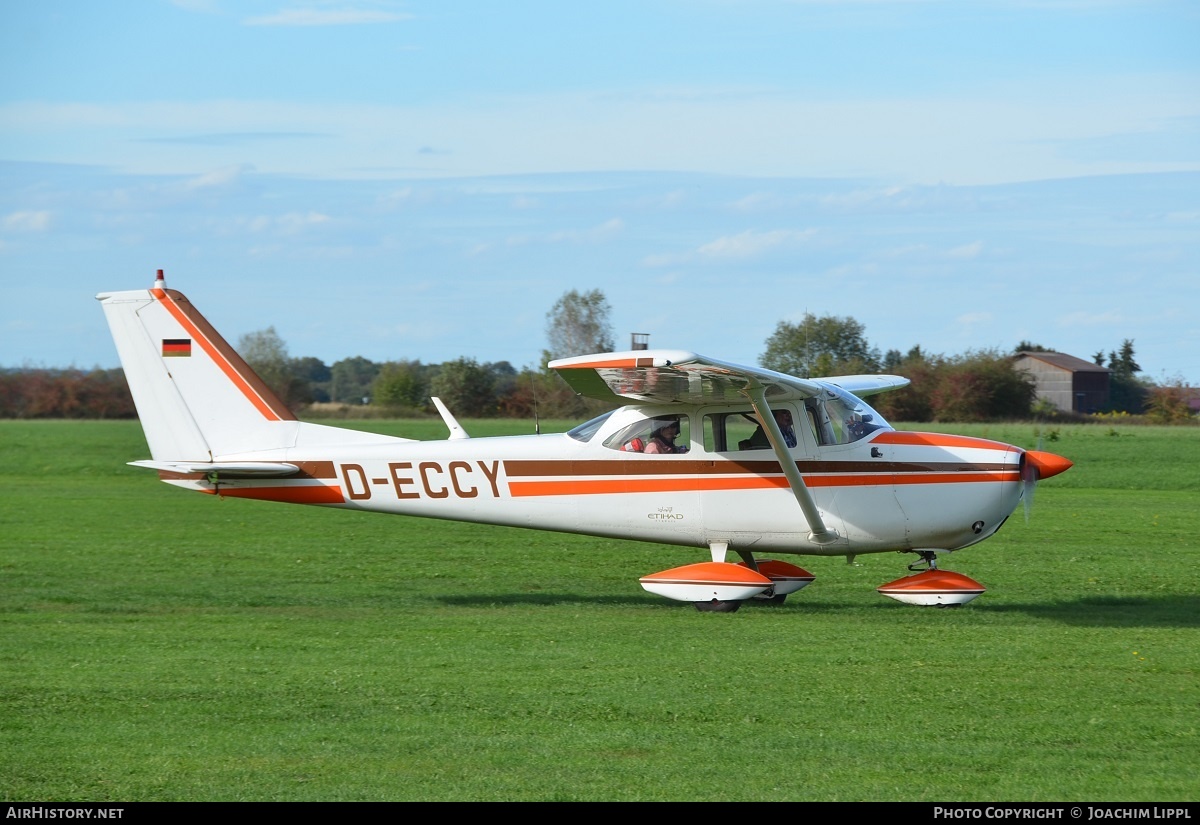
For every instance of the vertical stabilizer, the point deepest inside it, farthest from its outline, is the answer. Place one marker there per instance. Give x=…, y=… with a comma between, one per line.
x=196, y=398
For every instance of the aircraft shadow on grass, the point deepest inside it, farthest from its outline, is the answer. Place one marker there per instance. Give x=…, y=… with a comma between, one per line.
x=1178, y=611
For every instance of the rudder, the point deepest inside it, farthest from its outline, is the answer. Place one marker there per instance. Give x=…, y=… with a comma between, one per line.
x=197, y=399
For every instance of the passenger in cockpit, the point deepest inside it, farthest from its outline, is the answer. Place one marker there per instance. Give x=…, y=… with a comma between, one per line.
x=759, y=441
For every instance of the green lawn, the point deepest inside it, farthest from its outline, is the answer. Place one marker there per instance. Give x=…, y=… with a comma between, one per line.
x=158, y=645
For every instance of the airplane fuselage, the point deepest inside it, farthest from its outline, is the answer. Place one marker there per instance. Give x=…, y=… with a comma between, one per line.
x=889, y=490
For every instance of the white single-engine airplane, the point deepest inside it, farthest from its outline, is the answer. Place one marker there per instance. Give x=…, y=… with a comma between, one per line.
x=736, y=476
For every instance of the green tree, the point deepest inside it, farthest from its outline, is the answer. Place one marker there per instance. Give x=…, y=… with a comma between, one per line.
x=914, y=402
x=267, y=354
x=578, y=324
x=1126, y=393
x=1169, y=403
x=466, y=387
x=818, y=347
x=401, y=384
x=504, y=379
x=350, y=380
x=315, y=372
x=984, y=385
x=1122, y=362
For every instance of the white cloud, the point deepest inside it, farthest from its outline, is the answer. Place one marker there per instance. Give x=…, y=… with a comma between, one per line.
x=218, y=178
x=926, y=252
x=756, y=134
x=750, y=244
x=594, y=234
x=610, y=227
x=292, y=223
x=26, y=222
x=664, y=259
x=973, y=325
x=966, y=251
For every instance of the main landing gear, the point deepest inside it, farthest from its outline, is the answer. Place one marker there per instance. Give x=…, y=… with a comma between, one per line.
x=719, y=586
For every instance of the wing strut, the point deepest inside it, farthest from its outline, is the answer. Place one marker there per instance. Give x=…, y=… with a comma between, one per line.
x=820, y=533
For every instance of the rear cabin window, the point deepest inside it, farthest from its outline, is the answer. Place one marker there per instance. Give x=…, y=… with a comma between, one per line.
x=736, y=431
x=729, y=431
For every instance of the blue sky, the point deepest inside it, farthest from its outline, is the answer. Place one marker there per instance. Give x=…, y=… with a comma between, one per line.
x=422, y=180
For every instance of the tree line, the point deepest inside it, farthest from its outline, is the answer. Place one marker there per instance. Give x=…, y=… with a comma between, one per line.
x=980, y=385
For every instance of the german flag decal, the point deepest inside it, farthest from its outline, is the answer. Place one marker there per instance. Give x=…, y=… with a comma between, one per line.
x=177, y=347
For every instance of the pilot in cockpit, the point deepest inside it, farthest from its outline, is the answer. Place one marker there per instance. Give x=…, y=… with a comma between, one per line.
x=859, y=426
x=662, y=438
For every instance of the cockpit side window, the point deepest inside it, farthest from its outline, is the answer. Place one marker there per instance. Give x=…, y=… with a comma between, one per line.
x=636, y=437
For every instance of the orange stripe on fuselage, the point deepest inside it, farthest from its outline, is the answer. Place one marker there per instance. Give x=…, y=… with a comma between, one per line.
x=570, y=487
x=261, y=397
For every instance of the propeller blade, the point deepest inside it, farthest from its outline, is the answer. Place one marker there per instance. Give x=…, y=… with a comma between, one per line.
x=1029, y=478
x=1036, y=466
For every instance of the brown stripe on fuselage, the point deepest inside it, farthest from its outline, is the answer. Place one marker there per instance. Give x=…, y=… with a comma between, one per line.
x=295, y=494
x=674, y=467
x=314, y=469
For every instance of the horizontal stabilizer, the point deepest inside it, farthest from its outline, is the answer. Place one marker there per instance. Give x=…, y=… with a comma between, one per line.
x=245, y=469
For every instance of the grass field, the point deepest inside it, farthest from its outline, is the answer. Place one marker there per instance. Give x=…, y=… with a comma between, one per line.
x=158, y=645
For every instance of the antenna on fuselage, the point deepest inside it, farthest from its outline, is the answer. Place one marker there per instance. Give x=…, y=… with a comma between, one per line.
x=456, y=430
x=537, y=424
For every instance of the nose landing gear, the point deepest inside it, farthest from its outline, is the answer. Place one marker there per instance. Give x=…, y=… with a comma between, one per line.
x=932, y=587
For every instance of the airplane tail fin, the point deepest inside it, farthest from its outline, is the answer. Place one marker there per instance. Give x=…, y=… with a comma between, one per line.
x=196, y=398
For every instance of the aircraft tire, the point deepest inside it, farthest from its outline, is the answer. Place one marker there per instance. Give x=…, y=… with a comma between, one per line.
x=718, y=606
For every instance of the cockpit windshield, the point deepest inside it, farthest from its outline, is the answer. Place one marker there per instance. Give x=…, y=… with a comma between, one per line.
x=587, y=429
x=840, y=417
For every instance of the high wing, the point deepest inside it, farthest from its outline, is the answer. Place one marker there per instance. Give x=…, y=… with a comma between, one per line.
x=679, y=376
x=864, y=385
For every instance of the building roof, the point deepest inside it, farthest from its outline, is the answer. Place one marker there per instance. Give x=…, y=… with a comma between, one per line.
x=1064, y=361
